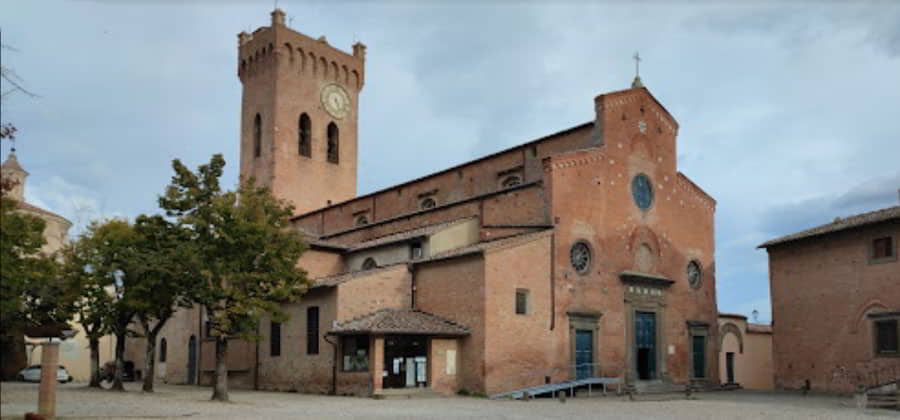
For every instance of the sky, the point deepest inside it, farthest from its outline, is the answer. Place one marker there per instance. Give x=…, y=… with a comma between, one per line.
x=789, y=112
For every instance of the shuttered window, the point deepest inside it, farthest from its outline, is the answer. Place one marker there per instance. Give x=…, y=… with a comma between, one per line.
x=312, y=330
x=275, y=339
x=886, y=337
x=521, y=301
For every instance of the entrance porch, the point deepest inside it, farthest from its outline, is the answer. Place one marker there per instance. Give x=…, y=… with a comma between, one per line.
x=396, y=351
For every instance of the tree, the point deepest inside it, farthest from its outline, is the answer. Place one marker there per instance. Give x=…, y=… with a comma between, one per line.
x=161, y=283
x=81, y=272
x=110, y=261
x=246, y=251
x=30, y=293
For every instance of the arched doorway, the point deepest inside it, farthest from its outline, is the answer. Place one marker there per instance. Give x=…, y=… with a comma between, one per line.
x=192, y=361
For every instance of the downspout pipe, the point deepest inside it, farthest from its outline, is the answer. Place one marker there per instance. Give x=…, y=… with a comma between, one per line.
x=333, y=364
x=256, y=361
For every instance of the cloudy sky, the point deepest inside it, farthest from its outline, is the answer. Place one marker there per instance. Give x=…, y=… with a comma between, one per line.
x=789, y=113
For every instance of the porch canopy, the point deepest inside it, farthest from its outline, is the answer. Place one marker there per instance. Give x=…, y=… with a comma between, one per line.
x=400, y=322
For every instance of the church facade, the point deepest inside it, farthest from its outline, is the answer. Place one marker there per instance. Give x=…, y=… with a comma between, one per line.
x=584, y=253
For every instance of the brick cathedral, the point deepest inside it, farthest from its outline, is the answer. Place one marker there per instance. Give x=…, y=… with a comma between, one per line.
x=581, y=254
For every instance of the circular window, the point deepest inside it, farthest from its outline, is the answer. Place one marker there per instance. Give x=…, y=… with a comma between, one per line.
x=580, y=256
x=369, y=264
x=694, y=274
x=642, y=191
x=362, y=220
x=428, y=203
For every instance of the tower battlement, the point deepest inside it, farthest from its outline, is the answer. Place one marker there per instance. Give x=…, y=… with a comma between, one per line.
x=299, y=111
x=278, y=47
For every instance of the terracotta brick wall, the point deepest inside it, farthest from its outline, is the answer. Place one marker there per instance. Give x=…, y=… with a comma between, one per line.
x=520, y=350
x=295, y=369
x=592, y=201
x=822, y=289
x=455, y=289
x=388, y=288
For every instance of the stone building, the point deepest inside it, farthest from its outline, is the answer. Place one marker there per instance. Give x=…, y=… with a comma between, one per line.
x=582, y=253
x=73, y=353
x=836, y=302
x=745, y=353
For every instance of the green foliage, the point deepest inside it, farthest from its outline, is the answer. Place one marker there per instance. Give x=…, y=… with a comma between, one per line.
x=30, y=292
x=242, y=244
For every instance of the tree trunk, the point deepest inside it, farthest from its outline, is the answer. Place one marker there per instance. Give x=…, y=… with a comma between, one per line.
x=220, y=388
x=94, y=344
x=149, y=362
x=120, y=362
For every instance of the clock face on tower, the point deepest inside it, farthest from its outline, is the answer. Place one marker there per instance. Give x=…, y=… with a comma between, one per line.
x=335, y=100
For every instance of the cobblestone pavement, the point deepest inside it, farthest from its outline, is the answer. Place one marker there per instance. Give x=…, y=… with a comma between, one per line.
x=78, y=401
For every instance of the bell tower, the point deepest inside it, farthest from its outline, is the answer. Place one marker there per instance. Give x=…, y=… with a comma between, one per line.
x=299, y=107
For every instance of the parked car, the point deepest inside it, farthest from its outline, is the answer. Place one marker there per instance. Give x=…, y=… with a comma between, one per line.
x=33, y=374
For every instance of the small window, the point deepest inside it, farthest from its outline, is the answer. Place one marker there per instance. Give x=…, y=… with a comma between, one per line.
x=207, y=327
x=580, y=257
x=511, y=181
x=521, y=301
x=275, y=339
x=428, y=203
x=886, y=337
x=333, y=143
x=163, y=349
x=883, y=248
x=355, y=353
x=257, y=136
x=694, y=274
x=312, y=330
x=416, y=251
x=362, y=220
x=304, y=140
x=369, y=264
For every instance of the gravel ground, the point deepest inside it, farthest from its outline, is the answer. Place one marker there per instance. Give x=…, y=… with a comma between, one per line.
x=78, y=401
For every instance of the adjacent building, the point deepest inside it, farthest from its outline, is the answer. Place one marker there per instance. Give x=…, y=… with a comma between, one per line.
x=73, y=353
x=745, y=353
x=836, y=303
x=582, y=253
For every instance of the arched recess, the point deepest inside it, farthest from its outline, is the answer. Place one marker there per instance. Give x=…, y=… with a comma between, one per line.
x=645, y=248
x=323, y=66
x=730, y=328
x=356, y=79
x=864, y=310
x=313, y=66
x=335, y=74
x=301, y=60
x=290, y=52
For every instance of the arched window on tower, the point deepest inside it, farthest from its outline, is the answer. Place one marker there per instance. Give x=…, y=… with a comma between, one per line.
x=333, y=143
x=305, y=136
x=257, y=136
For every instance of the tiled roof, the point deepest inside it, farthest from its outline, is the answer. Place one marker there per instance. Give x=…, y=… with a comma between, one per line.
x=759, y=328
x=480, y=247
x=407, y=235
x=400, y=321
x=334, y=280
x=331, y=281
x=840, y=224
x=321, y=243
x=35, y=209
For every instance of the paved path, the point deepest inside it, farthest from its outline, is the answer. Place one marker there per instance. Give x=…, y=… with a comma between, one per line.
x=78, y=401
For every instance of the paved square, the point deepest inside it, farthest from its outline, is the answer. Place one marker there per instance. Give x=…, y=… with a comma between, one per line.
x=77, y=401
